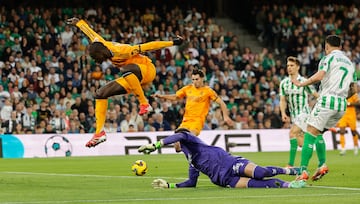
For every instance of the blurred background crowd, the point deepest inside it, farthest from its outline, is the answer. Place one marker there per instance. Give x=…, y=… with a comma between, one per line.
x=47, y=83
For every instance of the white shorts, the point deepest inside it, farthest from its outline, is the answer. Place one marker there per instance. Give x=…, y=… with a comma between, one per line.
x=323, y=118
x=301, y=121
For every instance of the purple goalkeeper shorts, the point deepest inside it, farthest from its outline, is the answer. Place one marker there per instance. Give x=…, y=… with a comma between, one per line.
x=238, y=170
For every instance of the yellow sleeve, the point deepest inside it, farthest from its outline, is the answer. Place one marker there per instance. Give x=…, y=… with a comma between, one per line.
x=127, y=51
x=155, y=45
x=85, y=28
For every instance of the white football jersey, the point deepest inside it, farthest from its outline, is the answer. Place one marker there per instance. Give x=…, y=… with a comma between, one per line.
x=340, y=72
x=296, y=97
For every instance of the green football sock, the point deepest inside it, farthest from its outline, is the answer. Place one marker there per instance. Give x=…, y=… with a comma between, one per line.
x=293, y=150
x=307, y=150
x=320, y=149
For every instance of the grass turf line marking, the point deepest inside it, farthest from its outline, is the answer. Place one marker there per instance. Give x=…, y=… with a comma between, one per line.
x=151, y=177
x=87, y=175
x=337, y=188
x=184, y=198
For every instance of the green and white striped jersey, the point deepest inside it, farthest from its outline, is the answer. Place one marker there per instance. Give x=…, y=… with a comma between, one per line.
x=334, y=87
x=297, y=97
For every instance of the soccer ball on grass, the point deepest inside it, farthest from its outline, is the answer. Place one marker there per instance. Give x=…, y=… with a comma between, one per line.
x=139, y=168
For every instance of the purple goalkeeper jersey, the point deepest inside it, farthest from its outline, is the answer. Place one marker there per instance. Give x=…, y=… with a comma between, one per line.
x=210, y=160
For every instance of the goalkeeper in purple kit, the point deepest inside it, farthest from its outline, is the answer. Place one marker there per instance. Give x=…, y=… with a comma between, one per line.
x=223, y=169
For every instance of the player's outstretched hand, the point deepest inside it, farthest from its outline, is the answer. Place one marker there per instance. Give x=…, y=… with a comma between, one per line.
x=296, y=82
x=178, y=40
x=229, y=121
x=160, y=183
x=147, y=148
x=72, y=21
x=155, y=95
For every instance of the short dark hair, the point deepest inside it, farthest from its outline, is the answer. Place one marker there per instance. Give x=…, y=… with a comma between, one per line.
x=293, y=59
x=333, y=40
x=198, y=72
x=99, y=52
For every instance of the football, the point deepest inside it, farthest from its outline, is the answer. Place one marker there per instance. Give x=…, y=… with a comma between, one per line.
x=139, y=168
x=58, y=146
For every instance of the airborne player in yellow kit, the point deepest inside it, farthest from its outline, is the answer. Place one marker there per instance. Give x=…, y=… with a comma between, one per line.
x=137, y=71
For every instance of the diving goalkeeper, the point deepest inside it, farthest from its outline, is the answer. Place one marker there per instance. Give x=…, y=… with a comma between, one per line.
x=223, y=169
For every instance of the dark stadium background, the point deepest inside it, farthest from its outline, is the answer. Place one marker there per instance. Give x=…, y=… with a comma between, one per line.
x=235, y=9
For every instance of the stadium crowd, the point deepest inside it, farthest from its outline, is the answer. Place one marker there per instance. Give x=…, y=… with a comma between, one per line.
x=47, y=77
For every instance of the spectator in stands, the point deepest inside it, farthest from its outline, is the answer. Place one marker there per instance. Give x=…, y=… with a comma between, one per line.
x=160, y=124
x=39, y=54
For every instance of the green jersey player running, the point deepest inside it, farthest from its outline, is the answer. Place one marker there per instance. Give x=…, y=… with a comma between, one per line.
x=296, y=99
x=336, y=72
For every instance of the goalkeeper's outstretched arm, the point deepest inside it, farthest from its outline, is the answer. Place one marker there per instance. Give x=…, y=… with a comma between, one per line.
x=168, y=140
x=193, y=177
x=191, y=182
x=150, y=147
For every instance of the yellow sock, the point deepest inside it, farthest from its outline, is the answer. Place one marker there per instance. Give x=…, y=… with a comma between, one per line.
x=134, y=83
x=101, y=106
x=356, y=140
x=342, y=141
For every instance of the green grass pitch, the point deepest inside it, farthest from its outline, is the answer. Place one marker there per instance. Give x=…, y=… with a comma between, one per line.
x=110, y=180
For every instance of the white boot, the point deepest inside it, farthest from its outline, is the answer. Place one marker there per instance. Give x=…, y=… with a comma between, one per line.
x=342, y=152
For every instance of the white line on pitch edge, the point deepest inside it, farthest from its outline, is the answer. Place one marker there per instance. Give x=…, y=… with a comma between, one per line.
x=183, y=198
x=150, y=177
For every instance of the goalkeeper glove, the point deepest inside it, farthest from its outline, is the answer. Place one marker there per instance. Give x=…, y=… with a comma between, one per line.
x=160, y=183
x=178, y=40
x=147, y=149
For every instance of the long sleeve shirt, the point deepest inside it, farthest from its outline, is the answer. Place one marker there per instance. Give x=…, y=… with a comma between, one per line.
x=213, y=161
x=124, y=53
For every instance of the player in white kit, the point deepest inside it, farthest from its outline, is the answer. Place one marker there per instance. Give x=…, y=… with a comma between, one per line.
x=336, y=72
x=296, y=99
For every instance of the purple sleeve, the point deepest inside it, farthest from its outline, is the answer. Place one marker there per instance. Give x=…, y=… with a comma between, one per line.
x=193, y=177
x=174, y=138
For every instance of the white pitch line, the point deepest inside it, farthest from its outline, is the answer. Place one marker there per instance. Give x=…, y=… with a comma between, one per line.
x=337, y=188
x=150, y=177
x=184, y=198
x=87, y=175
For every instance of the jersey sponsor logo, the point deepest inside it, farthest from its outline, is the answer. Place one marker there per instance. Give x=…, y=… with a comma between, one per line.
x=236, y=167
x=295, y=91
x=196, y=98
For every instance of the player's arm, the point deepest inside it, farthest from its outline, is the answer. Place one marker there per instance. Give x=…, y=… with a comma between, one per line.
x=354, y=90
x=224, y=111
x=191, y=182
x=316, y=94
x=168, y=140
x=318, y=76
x=171, y=97
x=155, y=45
x=283, y=105
x=310, y=89
x=283, y=102
x=85, y=28
x=193, y=177
x=356, y=103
